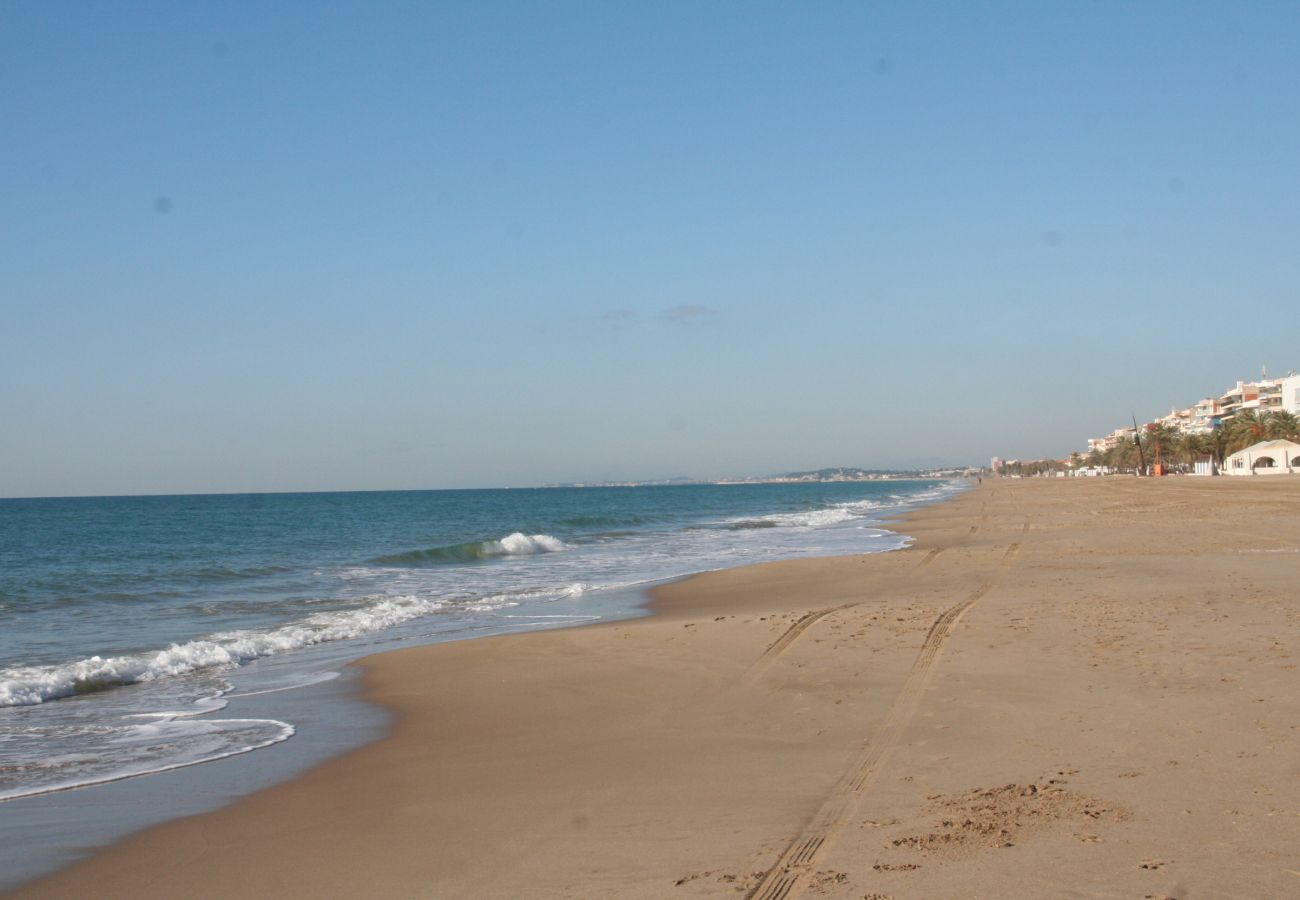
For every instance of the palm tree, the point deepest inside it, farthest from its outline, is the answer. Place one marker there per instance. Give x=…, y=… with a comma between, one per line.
x=1123, y=456
x=1159, y=440
x=1216, y=443
x=1245, y=428
x=1191, y=446
x=1282, y=424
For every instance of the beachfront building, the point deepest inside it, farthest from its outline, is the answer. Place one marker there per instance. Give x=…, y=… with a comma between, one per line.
x=1261, y=396
x=1177, y=419
x=1201, y=417
x=1270, y=395
x=1234, y=400
x=1211, y=413
x=1204, y=416
x=1264, y=458
x=1119, y=435
x=1291, y=394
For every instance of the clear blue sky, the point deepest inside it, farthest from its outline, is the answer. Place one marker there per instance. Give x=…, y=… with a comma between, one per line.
x=270, y=246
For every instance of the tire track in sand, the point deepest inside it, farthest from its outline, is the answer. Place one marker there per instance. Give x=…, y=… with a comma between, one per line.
x=782, y=880
x=806, y=621
x=929, y=557
x=788, y=637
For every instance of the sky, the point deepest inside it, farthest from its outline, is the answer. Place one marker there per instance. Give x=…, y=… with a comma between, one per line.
x=287, y=246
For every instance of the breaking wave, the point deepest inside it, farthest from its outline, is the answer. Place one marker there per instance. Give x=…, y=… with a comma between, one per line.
x=516, y=544
x=812, y=518
x=28, y=685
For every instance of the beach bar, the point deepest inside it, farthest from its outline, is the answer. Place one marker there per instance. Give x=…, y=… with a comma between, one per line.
x=1265, y=458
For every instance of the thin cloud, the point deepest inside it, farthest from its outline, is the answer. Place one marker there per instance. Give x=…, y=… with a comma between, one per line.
x=617, y=315
x=687, y=312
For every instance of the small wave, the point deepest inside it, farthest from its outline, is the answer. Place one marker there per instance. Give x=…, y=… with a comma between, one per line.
x=227, y=605
x=29, y=685
x=516, y=544
x=107, y=754
x=842, y=512
x=493, y=602
x=96, y=600
x=605, y=521
x=225, y=573
x=814, y=518
x=296, y=684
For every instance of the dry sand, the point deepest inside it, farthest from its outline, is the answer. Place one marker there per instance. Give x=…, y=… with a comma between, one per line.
x=1064, y=689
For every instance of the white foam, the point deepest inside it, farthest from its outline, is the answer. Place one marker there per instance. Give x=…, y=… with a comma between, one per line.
x=117, y=753
x=818, y=518
x=27, y=685
x=307, y=681
x=200, y=707
x=531, y=616
x=490, y=605
x=520, y=544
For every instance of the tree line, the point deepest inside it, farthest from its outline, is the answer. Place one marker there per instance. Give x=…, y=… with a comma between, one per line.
x=1180, y=451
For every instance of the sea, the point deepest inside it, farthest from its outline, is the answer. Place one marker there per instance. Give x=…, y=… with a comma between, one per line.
x=143, y=636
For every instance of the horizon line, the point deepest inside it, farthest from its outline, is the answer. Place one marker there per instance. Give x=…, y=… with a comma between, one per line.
x=683, y=481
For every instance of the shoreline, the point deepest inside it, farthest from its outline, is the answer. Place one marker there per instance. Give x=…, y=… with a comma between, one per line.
x=814, y=720
x=41, y=835
x=649, y=603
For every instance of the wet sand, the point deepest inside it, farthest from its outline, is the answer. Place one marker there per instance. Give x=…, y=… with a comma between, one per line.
x=1064, y=688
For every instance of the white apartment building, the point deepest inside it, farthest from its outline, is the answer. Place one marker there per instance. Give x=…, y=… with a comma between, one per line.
x=1105, y=443
x=1244, y=396
x=1178, y=419
x=1207, y=414
x=1262, y=396
x=1291, y=394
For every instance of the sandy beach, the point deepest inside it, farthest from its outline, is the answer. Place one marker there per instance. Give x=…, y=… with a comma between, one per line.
x=1082, y=688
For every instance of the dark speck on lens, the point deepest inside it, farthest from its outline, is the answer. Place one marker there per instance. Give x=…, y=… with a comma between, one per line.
x=1052, y=238
x=162, y=204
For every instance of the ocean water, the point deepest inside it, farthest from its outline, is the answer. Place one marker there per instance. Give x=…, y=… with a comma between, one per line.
x=130, y=625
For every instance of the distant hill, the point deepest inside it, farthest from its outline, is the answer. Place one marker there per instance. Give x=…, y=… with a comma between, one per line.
x=844, y=473
x=831, y=474
x=840, y=473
